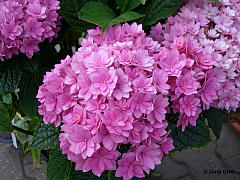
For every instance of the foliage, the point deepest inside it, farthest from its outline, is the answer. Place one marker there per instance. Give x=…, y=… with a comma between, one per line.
x=193, y=137
x=102, y=15
x=59, y=167
x=215, y=119
x=45, y=137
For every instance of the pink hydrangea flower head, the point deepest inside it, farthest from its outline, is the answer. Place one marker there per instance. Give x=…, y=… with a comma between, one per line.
x=26, y=24
x=110, y=93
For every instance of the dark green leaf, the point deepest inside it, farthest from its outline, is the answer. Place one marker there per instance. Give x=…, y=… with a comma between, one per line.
x=69, y=10
x=193, y=137
x=45, y=137
x=126, y=5
x=7, y=97
x=34, y=124
x=5, y=119
x=27, y=96
x=10, y=78
x=217, y=1
x=58, y=167
x=215, y=119
x=156, y=10
x=100, y=14
x=30, y=65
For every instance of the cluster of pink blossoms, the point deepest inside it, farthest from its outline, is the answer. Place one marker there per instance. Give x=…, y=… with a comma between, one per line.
x=201, y=54
x=26, y=23
x=110, y=93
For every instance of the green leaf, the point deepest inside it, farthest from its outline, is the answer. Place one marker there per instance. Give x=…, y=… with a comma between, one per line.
x=58, y=167
x=126, y=5
x=193, y=137
x=102, y=15
x=217, y=1
x=127, y=16
x=215, y=119
x=5, y=119
x=10, y=78
x=34, y=124
x=97, y=13
x=7, y=97
x=45, y=137
x=156, y=10
x=27, y=96
x=23, y=124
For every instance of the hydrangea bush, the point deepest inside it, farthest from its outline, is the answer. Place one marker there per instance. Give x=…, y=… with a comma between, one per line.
x=24, y=24
x=131, y=94
x=209, y=35
x=110, y=93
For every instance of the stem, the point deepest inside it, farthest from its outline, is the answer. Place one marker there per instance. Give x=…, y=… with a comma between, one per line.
x=22, y=130
x=109, y=175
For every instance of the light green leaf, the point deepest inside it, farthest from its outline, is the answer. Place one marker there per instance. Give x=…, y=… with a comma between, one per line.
x=7, y=97
x=126, y=5
x=156, y=10
x=5, y=119
x=97, y=13
x=45, y=137
x=23, y=124
x=58, y=167
x=100, y=14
